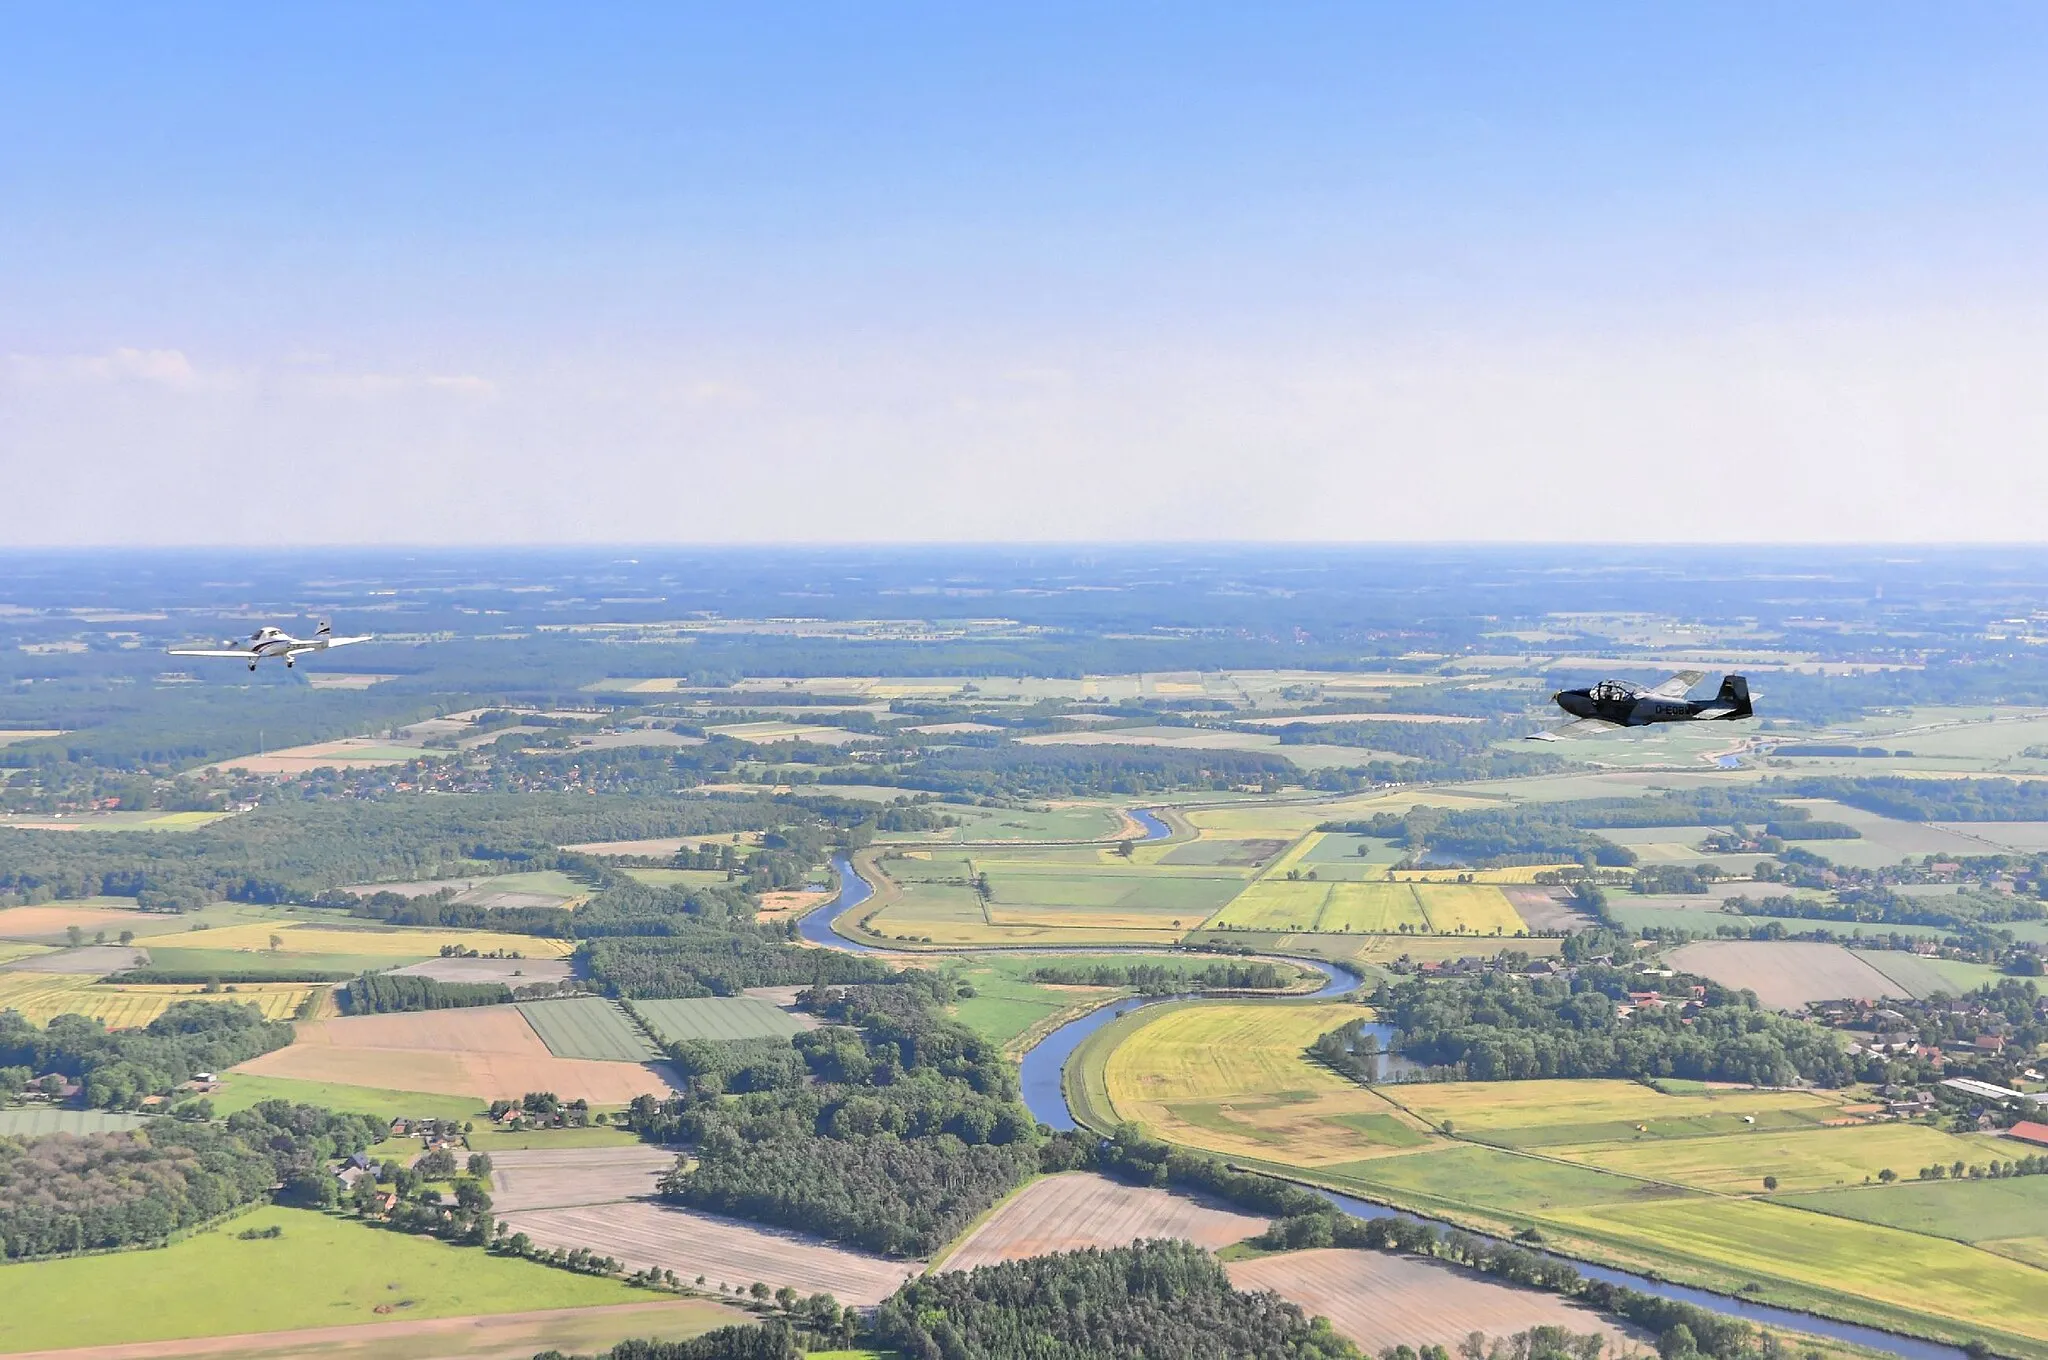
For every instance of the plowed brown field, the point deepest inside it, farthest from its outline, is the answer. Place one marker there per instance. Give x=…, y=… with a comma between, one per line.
x=1380, y=1300
x=723, y=1250
x=553, y=1178
x=1069, y=1212
x=500, y=1336
x=486, y=1051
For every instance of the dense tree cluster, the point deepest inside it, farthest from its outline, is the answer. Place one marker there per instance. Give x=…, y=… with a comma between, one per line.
x=1498, y=1027
x=65, y=1193
x=289, y=851
x=1933, y=800
x=1161, y=979
x=376, y=993
x=693, y=958
x=1140, y=1302
x=910, y=1128
x=118, y=1068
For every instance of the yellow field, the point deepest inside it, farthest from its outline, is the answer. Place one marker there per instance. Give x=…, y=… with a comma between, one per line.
x=1467, y=909
x=10, y=950
x=40, y=996
x=1480, y=1108
x=1520, y=873
x=399, y=942
x=1370, y=908
x=1801, y=1159
x=1231, y=1078
x=1924, y=1274
x=1274, y=904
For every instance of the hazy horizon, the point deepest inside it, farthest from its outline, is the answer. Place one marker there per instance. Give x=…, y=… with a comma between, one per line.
x=503, y=275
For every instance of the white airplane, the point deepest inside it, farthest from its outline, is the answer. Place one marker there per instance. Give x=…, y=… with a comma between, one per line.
x=267, y=642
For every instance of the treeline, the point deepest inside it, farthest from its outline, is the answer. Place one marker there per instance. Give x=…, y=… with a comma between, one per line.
x=232, y=977
x=1159, y=979
x=1139, y=1302
x=1497, y=1027
x=376, y=993
x=1537, y=832
x=1931, y=800
x=66, y=1193
x=118, y=1068
x=903, y=1126
x=1013, y=771
x=691, y=958
x=288, y=851
x=1881, y=906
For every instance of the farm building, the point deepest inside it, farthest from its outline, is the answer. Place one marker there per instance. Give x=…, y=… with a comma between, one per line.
x=2027, y=1131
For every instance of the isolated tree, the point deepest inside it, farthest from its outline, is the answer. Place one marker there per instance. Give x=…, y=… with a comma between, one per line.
x=1770, y=1182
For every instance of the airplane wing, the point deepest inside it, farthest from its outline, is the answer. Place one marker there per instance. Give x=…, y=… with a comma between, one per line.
x=208, y=651
x=1677, y=685
x=343, y=642
x=1571, y=731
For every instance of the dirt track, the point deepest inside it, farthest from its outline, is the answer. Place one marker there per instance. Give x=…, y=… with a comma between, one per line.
x=502, y=1336
x=1380, y=1300
x=1069, y=1212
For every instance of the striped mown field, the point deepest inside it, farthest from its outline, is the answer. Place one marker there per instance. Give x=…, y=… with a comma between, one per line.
x=718, y=1018
x=588, y=1027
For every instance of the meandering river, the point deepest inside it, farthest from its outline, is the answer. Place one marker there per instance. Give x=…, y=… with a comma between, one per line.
x=1045, y=1096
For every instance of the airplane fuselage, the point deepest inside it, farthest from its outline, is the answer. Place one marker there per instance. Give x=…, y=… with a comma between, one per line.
x=1634, y=711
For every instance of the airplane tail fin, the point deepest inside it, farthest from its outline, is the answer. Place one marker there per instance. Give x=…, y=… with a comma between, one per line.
x=326, y=629
x=1735, y=691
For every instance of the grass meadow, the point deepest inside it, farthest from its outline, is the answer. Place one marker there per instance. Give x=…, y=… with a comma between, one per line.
x=322, y=1272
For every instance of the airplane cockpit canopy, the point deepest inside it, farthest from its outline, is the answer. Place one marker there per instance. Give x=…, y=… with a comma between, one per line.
x=1613, y=691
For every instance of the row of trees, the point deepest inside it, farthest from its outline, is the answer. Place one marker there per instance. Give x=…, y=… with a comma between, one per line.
x=1160, y=979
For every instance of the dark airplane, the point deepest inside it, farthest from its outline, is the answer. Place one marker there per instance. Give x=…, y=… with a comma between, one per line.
x=1616, y=703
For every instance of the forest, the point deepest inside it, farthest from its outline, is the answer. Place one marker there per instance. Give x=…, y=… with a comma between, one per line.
x=1933, y=800
x=1161, y=979
x=118, y=1068
x=376, y=993
x=286, y=850
x=680, y=956
x=1140, y=1302
x=1497, y=1027
x=66, y=1193
x=911, y=1128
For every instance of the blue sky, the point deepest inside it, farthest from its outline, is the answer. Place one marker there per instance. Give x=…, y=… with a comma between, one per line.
x=518, y=273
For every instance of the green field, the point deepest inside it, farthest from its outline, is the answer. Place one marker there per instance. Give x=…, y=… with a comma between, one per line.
x=33, y=1121
x=1968, y=1211
x=525, y=1140
x=1074, y=822
x=245, y=1089
x=322, y=1272
x=1923, y=977
x=1486, y=1178
x=1006, y=1004
x=1802, y=1159
x=588, y=1027
x=1903, y=1270
x=717, y=1018
x=175, y=960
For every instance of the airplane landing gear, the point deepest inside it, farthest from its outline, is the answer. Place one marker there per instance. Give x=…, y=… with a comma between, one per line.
x=287, y=663
x=252, y=665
